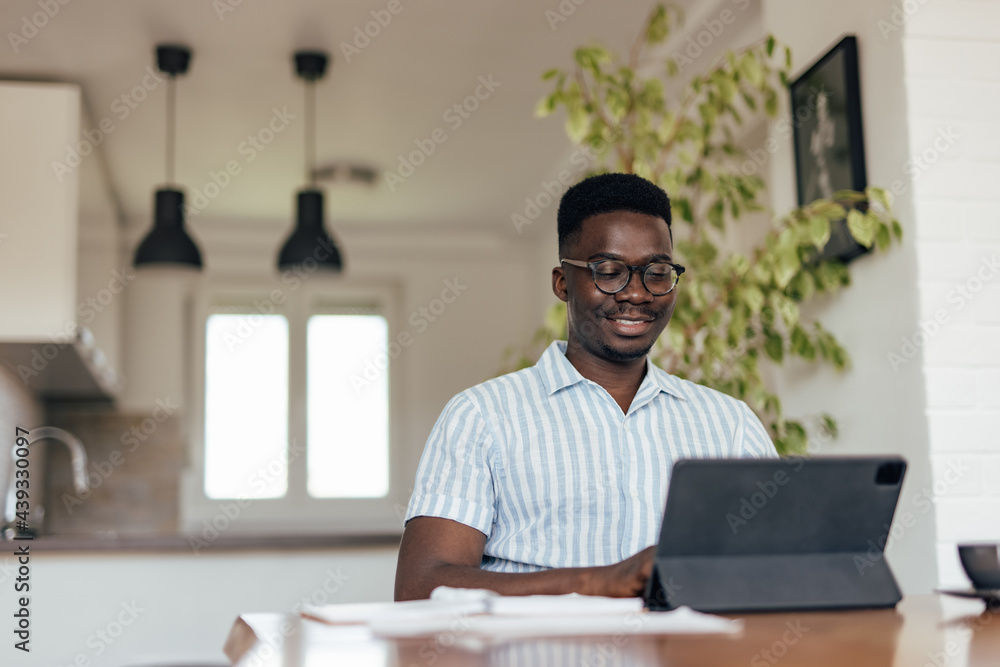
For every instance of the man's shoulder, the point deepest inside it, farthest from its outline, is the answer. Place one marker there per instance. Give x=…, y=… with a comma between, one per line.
x=693, y=391
x=515, y=385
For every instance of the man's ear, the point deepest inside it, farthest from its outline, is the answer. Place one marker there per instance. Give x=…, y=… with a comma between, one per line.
x=559, y=283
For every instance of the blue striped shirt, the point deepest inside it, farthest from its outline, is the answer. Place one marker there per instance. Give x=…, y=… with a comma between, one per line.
x=546, y=465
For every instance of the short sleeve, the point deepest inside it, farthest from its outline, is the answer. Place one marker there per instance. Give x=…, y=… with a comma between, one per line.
x=754, y=441
x=455, y=476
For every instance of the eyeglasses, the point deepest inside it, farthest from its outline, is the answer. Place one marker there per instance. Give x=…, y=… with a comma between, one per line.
x=611, y=276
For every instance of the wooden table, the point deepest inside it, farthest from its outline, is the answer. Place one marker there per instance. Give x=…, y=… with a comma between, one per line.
x=924, y=630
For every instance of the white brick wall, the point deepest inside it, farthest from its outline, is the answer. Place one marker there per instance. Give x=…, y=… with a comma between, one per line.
x=951, y=52
x=951, y=388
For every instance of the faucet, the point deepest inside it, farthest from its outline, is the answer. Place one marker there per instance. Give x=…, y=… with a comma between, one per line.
x=78, y=456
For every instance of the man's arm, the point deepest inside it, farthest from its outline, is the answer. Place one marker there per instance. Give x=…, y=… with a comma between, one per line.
x=441, y=552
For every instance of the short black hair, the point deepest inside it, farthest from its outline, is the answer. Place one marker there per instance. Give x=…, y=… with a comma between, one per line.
x=607, y=193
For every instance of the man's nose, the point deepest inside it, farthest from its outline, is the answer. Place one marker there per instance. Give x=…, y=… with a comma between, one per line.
x=634, y=291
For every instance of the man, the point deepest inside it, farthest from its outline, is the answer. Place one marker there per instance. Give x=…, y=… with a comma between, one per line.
x=553, y=479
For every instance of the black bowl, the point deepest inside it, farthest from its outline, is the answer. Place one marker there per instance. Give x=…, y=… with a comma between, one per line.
x=982, y=563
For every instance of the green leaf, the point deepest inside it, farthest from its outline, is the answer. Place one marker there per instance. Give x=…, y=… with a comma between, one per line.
x=786, y=266
x=727, y=89
x=769, y=46
x=684, y=208
x=715, y=346
x=788, y=58
x=785, y=307
x=830, y=425
x=659, y=25
x=577, y=124
x=545, y=106
x=830, y=210
x=819, y=231
x=803, y=287
x=715, y=213
x=801, y=344
x=550, y=74
x=751, y=68
x=840, y=358
x=737, y=327
x=882, y=237
x=861, y=227
x=708, y=114
x=753, y=298
x=771, y=103
x=652, y=93
x=774, y=347
x=795, y=437
x=590, y=58
x=832, y=275
x=881, y=196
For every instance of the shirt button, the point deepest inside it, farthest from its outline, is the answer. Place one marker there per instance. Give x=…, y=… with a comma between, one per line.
x=634, y=492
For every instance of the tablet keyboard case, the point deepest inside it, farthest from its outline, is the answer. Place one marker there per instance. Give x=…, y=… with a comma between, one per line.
x=788, y=534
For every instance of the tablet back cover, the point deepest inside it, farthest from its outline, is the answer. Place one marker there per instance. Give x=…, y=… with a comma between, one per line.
x=753, y=535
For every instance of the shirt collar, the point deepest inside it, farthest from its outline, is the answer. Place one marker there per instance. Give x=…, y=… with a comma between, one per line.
x=558, y=373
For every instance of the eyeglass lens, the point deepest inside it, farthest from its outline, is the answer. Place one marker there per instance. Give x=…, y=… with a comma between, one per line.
x=612, y=276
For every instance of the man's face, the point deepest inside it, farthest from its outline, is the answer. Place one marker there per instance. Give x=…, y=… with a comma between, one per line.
x=623, y=326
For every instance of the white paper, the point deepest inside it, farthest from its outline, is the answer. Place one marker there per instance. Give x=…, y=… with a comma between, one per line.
x=682, y=621
x=484, y=614
x=572, y=604
x=365, y=612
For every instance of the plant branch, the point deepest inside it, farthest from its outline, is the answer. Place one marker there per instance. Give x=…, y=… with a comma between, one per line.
x=598, y=110
x=640, y=40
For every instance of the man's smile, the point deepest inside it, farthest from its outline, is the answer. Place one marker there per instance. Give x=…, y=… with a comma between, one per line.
x=631, y=327
x=632, y=322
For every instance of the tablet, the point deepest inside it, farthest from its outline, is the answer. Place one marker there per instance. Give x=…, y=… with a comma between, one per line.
x=777, y=534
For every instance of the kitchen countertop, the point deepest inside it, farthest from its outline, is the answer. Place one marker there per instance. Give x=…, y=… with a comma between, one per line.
x=196, y=544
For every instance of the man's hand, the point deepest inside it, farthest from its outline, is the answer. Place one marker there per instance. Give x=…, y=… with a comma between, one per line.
x=440, y=552
x=622, y=580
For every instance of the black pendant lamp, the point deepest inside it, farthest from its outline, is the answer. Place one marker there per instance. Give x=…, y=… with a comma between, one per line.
x=310, y=246
x=168, y=242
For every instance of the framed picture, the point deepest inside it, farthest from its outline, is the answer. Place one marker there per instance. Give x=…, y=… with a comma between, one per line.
x=829, y=144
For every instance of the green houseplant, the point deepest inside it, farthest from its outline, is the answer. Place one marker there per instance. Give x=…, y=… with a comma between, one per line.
x=735, y=308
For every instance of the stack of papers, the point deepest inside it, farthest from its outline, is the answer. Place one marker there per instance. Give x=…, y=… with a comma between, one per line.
x=486, y=614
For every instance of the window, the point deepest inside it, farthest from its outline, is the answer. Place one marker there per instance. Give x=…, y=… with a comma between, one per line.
x=295, y=398
x=246, y=373
x=348, y=423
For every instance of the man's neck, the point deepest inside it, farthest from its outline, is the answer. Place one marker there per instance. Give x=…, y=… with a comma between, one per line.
x=621, y=379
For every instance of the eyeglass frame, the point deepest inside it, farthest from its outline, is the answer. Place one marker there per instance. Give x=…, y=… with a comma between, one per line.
x=631, y=269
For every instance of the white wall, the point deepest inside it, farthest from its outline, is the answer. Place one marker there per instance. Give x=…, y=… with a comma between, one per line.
x=879, y=409
x=951, y=51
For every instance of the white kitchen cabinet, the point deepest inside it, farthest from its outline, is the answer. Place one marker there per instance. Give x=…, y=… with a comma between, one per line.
x=44, y=337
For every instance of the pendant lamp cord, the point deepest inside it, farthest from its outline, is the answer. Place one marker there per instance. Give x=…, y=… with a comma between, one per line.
x=310, y=133
x=171, y=121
